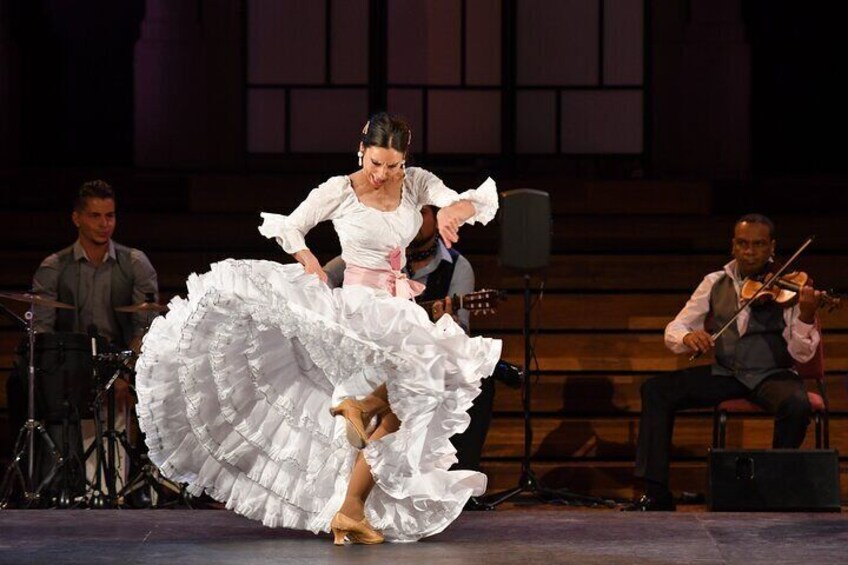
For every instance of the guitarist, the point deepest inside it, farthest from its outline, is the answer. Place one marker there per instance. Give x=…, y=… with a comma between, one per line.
x=445, y=272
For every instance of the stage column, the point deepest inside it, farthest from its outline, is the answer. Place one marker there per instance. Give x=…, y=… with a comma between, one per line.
x=10, y=101
x=189, y=85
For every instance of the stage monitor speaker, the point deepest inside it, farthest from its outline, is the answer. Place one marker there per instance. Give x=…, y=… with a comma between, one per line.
x=771, y=480
x=525, y=220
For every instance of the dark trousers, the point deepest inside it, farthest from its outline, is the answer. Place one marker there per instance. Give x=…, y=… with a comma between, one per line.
x=782, y=394
x=469, y=444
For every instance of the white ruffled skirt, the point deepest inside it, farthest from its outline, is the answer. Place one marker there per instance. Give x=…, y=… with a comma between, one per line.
x=236, y=382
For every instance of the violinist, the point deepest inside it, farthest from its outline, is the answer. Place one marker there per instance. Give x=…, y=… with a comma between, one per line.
x=753, y=358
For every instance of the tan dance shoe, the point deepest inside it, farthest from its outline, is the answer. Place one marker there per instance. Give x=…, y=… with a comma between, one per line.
x=355, y=532
x=356, y=421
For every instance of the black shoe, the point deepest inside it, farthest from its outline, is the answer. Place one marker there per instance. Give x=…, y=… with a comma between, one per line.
x=140, y=498
x=652, y=504
x=474, y=504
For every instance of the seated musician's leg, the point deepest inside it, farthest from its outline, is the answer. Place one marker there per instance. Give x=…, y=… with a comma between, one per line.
x=662, y=398
x=785, y=395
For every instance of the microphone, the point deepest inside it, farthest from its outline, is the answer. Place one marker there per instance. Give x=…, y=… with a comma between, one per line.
x=93, y=334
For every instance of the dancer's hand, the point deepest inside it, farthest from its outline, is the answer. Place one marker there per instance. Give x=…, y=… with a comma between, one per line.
x=450, y=218
x=310, y=264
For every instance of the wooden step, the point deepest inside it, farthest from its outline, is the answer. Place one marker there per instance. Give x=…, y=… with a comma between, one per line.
x=603, y=479
x=580, y=273
x=579, y=311
x=666, y=273
x=146, y=231
x=46, y=188
x=611, y=438
x=610, y=394
x=628, y=352
x=608, y=479
x=608, y=353
x=583, y=311
x=172, y=268
x=236, y=231
x=595, y=352
x=4, y=377
x=222, y=193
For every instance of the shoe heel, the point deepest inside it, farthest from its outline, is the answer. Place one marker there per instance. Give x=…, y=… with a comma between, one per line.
x=339, y=536
x=353, y=437
x=356, y=437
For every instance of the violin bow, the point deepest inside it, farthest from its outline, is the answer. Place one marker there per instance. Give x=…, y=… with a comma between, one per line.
x=765, y=287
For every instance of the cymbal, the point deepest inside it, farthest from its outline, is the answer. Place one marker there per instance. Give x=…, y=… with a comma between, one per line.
x=142, y=307
x=35, y=299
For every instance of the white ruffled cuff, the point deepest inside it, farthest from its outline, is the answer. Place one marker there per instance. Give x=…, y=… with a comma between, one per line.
x=275, y=226
x=485, y=199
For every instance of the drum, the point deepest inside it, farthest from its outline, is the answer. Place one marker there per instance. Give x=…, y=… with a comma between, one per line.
x=63, y=396
x=63, y=369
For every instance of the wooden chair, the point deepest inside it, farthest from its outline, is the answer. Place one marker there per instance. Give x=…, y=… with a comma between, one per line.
x=811, y=370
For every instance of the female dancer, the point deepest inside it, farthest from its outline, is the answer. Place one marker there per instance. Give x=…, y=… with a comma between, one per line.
x=239, y=384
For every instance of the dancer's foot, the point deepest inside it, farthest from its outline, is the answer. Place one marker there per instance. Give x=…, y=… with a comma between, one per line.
x=356, y=421
x=355, y=531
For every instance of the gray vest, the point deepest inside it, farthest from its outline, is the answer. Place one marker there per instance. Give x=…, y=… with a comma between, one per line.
x=761, y=352
x=121, y=292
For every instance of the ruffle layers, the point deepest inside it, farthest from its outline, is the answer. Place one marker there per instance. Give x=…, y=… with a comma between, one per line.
x=236, y=382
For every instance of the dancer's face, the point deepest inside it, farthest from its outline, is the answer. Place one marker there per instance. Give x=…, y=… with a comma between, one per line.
x=381, y=165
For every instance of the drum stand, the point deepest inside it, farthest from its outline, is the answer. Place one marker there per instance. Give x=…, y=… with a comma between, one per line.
x=25, y=443
x=146, y=474
x=106, y=457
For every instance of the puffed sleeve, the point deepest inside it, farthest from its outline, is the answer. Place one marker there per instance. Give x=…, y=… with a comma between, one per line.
x=431, y=190
x=323, y=203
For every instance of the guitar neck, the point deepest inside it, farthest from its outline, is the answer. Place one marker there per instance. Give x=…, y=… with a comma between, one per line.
x=456, y=302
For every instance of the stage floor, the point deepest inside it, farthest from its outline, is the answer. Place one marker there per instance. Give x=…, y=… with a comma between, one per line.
x=518, y=535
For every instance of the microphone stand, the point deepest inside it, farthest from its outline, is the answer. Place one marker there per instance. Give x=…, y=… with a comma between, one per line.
x=527, y=482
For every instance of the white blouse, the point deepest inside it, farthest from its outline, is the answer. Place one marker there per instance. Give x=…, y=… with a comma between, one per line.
x=367, y=235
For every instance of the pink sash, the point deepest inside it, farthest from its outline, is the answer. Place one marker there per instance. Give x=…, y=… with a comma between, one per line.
x=391, y=280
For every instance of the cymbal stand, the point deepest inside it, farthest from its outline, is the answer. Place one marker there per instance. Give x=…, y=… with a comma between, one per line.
x=25, y=443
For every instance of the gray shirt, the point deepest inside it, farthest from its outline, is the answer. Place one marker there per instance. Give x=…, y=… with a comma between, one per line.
x=93, y=300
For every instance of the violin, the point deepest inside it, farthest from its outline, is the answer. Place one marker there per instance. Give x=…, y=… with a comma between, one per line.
x=784, y=291
x=761, y=287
